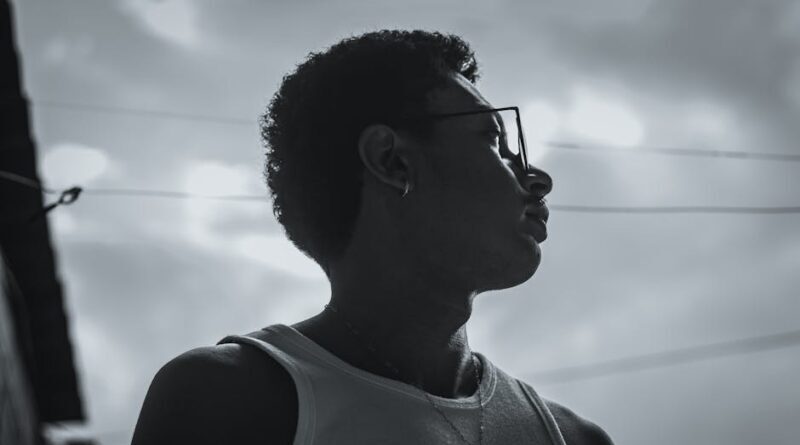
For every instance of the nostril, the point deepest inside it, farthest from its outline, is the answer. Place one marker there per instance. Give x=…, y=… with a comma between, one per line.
x=539, y=189
x=537, y=185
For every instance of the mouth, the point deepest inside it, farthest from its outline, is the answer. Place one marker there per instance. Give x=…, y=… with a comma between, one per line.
x=535, y=221
x=535, y=227
x=538, y=211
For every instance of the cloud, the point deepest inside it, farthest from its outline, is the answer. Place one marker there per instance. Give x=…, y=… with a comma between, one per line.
x=212, y=222
x=793, y=86
x=541, y=122
x=280, y=254
x=61, y=50
x=63, y=223
x=185, y=296
x=601, y=118
x=213, y=178
x=68, y=164
x=240, y=229
x=174, y=21
x=681, y=51
x=117, y=379
x=157, y=277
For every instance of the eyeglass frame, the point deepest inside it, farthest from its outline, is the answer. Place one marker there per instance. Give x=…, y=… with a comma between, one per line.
x=521, y=157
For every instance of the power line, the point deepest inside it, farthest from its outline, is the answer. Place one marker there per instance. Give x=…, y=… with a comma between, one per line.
x=23, y=180
x=170, y=194
x=676, y=209
x=561, y=145
x=62, y=433
x=669, y=358
x=66, y=197
x=173, y=194
x=696, y=152
x=146, y=112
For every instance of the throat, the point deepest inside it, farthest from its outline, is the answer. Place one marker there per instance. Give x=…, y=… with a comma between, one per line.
x=443, y=366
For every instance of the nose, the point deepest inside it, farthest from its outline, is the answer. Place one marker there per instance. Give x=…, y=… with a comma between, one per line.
x=537, y=182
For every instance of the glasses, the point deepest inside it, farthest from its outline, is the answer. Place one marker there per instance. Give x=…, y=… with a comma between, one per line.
x=517, y=152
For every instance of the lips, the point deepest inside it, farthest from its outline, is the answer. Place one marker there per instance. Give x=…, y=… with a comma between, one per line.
x=538, y=211
x=536, y=217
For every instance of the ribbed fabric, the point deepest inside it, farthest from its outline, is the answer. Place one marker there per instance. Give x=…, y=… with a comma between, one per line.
x=339, y=404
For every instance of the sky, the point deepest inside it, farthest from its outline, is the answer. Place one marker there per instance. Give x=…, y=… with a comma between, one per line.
x=149, y=278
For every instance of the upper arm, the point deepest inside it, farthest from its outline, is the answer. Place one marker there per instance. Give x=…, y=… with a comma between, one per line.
x=220, y=394
x=575, y=429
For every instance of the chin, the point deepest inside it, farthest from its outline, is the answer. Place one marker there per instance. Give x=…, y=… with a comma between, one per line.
x=515, y=270
x=527, y=266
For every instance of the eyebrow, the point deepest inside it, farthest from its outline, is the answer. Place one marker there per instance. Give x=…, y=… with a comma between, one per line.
x=473, y=111
x=493, y=121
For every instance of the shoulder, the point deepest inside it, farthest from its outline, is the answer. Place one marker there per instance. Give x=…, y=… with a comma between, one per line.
x=227, y=393
x=575, y=429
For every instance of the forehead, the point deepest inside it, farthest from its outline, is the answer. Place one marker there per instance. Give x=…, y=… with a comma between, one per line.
x=459, y=94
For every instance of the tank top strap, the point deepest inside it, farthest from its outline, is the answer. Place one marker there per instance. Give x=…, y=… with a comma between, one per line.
x=305, y=395
x=539, y=405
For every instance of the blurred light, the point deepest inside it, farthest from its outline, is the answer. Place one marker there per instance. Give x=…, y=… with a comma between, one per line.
x=278, y=253
x=710, y=122
x=793, y=84
x=174, y=20
x=541, y=123
x=68, y=164
x=603, y=119
x=214, y=178
x=117, y=377
x=61, y=49
x=63, y=223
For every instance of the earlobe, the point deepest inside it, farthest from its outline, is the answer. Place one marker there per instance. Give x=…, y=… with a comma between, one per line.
x=379, y=148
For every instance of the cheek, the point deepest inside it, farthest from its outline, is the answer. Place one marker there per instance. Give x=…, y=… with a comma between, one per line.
x=468, y=188
x=480, y=196
x=475, y=172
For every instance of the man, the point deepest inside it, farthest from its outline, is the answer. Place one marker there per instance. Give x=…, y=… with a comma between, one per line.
x=389, y=168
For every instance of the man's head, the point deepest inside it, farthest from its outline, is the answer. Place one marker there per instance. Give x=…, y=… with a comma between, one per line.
x=314, y=121
x=347, y=132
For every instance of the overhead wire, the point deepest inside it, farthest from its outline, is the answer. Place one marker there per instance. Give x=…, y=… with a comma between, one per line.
x=19, y=179
x=668, y=358
x=780, y=210
x=560, y=145
x=695, y=152
x=66, y=197
x=70, y=195
x=144, y=112
x=172, y=194
x=23, y=180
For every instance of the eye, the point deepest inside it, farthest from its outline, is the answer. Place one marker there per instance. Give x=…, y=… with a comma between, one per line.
x=494, y=135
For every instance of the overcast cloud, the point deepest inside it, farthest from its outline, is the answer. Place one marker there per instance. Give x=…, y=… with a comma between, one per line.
x=669, y=73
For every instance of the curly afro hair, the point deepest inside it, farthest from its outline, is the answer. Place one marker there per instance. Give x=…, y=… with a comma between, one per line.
x=313, y=122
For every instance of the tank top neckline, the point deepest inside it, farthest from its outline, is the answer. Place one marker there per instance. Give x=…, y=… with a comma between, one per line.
x=487, y=385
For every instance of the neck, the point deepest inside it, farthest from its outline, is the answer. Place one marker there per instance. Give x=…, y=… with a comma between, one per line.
x=414, y=320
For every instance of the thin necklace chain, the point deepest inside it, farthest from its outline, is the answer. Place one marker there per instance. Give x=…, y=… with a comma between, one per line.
x=396, y=372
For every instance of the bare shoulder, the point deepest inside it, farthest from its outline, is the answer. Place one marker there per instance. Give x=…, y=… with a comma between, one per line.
x=219, y=394
x=575, y=429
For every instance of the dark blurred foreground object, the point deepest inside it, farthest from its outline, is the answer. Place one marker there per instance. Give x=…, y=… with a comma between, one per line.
x=38, y=383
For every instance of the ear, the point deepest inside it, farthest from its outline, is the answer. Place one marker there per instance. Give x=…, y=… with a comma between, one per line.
x=379, y=150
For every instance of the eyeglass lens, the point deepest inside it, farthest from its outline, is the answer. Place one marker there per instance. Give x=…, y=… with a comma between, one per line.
x=511, y=143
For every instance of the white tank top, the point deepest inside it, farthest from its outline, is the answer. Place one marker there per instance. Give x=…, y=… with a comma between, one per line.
x=339, y=404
